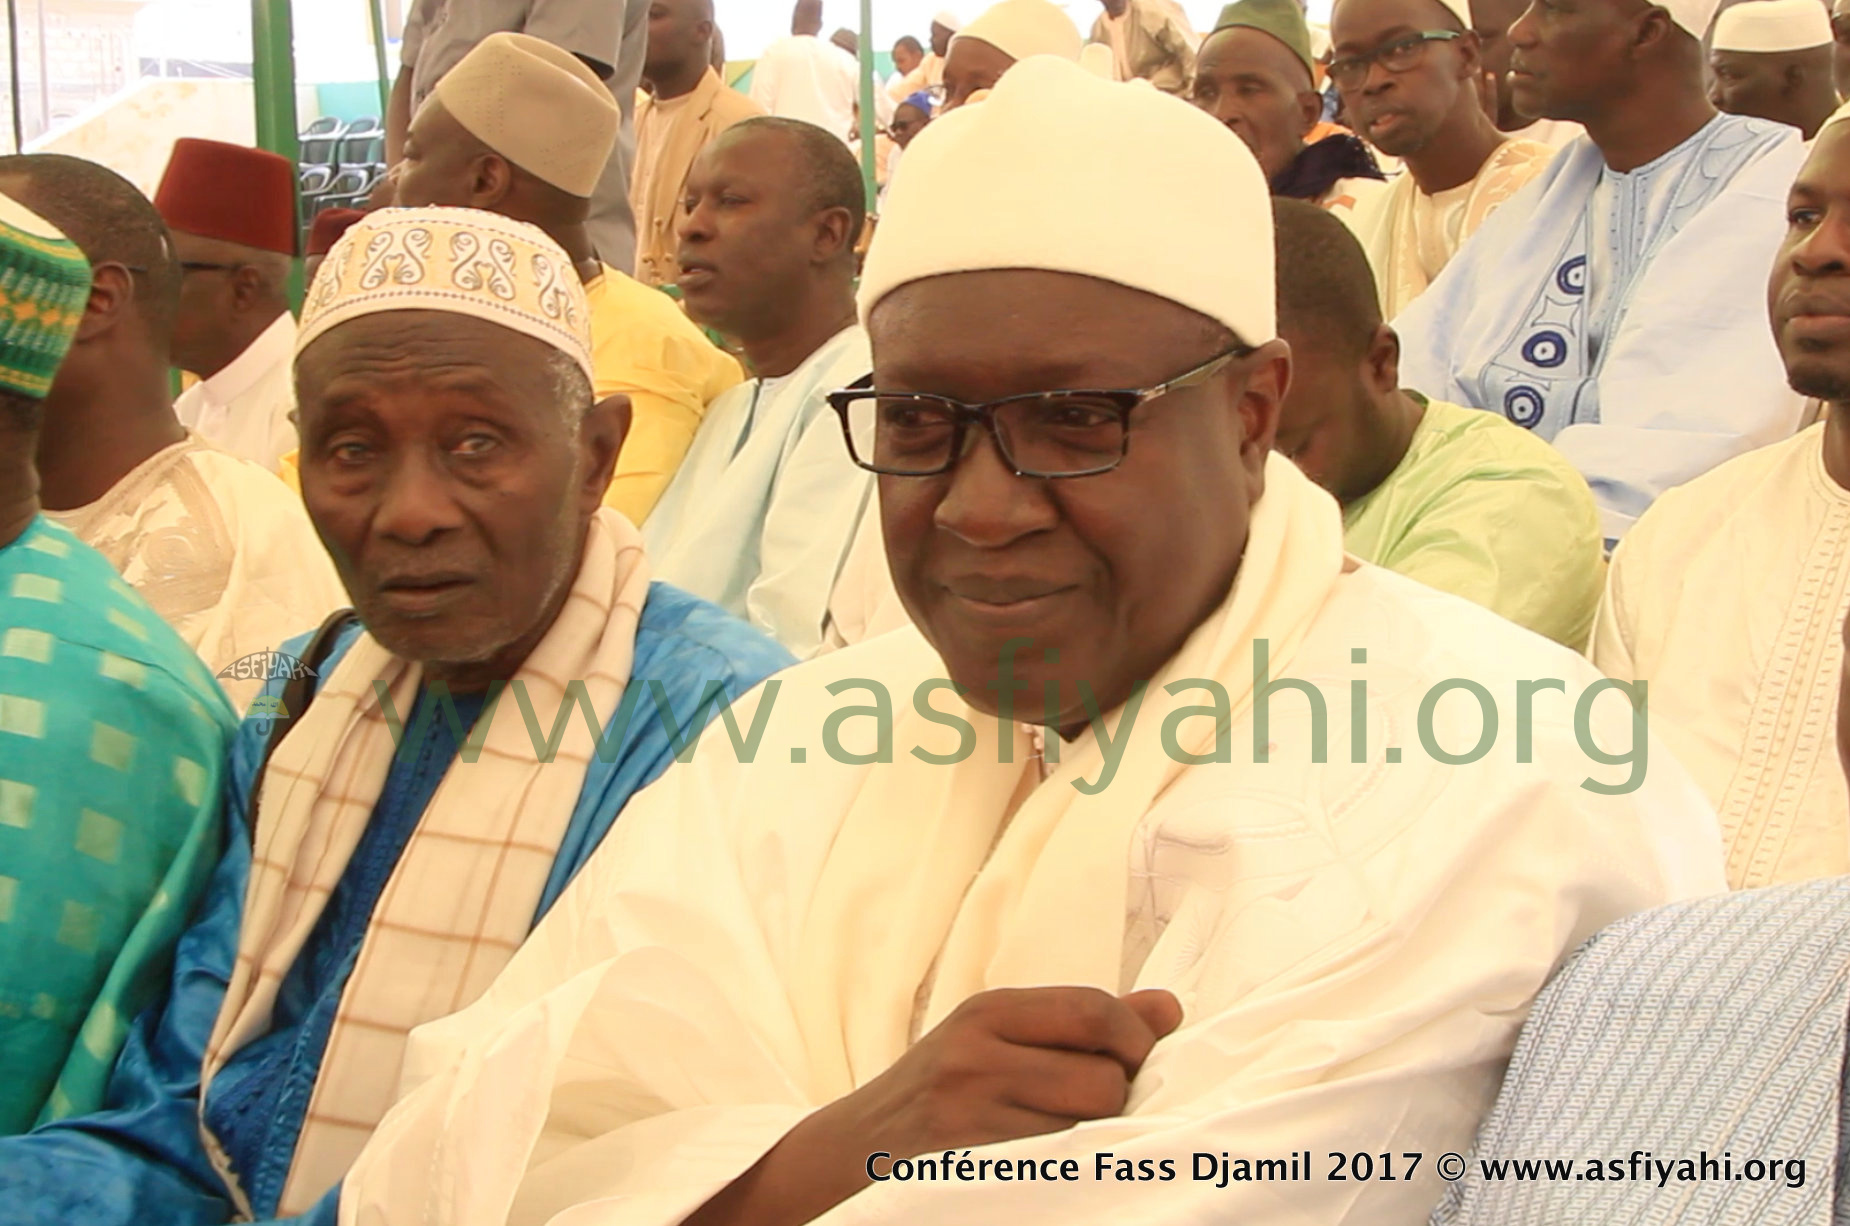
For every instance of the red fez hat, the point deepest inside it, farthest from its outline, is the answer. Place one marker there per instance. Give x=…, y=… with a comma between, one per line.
x=329, y=225
x=229, y=192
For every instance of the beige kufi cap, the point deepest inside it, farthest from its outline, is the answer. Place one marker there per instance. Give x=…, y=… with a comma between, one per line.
x=974, y=197
x=1021, y=28
x=462, y=261
x=1773, y=25
x=537, y=106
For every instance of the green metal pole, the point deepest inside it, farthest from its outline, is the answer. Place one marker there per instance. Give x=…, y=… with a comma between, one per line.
x=376, y=10
x=273, y=71
x=868, y=159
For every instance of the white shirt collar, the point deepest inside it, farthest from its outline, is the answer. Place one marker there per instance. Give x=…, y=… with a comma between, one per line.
x=274, y=346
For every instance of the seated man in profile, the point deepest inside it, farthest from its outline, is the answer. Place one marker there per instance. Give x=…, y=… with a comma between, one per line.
x=1461, y=500
x=1036, y=911
x=389, y=854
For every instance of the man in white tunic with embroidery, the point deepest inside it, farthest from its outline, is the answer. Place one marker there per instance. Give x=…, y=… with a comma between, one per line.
x=776, y=969
x=1603, y=306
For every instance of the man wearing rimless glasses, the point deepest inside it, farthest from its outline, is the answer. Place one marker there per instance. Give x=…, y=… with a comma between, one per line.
x=1408, y=73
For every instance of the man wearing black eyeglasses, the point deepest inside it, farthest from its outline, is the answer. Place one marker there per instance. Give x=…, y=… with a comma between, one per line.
x=1408, y=71
x=1024, y=909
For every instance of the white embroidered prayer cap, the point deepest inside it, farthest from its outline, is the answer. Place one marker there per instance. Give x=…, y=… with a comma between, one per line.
x=536, y=105
x=1773, y=25
x=949, y=20
x=462, y=261
x=1061, y=171
x=1024, y=28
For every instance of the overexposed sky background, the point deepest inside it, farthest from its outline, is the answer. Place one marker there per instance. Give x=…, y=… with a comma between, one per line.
x=334, y=37
x=751, y=24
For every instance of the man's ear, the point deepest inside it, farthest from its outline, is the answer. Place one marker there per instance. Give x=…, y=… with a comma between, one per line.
x=833, y=234
x=491, y=178
x=246, y=286
x=1381, y=364
x=600, y=438
x=1310, y=111
x=1654, y=27
x=1470, y=56
x=112, y=296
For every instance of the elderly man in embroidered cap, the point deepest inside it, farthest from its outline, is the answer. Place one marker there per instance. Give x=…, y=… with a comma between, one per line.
x=1149, y=40
x=520, y=128
x=1255, y=75
x=232, y=213
x=1006, y=32
x=1408, y=72
x=1728, y=595
x=1627, y=344
x=112, y=737
x=689, y=106
x=418, y=820
x=1033, y=909
x=1772, y=58
x=219, y=547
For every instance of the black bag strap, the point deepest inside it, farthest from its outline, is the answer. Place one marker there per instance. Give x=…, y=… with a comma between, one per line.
x=297, y=694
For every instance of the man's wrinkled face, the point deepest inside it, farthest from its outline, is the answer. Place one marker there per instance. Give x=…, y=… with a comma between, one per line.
x=1258, y=87
x=1569, y=56
x=1401, y=113
x=438, y=165
x=1745, y=83
x=972, y=66
x=447, y=479
x=1106, y=574
x=1808, y=295
x=746, y=231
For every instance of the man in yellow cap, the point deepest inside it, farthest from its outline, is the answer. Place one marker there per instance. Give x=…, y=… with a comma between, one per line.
x=1031, y=901
x=607, y=37
x=391, y=852
x=522, y=129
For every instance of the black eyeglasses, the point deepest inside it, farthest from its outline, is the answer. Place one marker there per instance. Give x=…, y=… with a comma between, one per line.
x=1401, y=55
x=1040, y=434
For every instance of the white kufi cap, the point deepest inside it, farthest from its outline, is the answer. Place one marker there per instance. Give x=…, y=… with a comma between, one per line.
x=1023, y=28
x=1773, y=25
x=975, y=197
x=536, y=105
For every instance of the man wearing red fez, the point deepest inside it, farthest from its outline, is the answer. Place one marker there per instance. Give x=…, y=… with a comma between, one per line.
x=232, y=213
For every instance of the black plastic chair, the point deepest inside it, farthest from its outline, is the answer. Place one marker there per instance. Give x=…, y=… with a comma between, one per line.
x=319, y=143
x=313, y=183
x=349, y=189
x=362, y=144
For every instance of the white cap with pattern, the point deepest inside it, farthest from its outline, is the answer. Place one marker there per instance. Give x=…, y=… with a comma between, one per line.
x=1773, y=25
x=462, y=261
